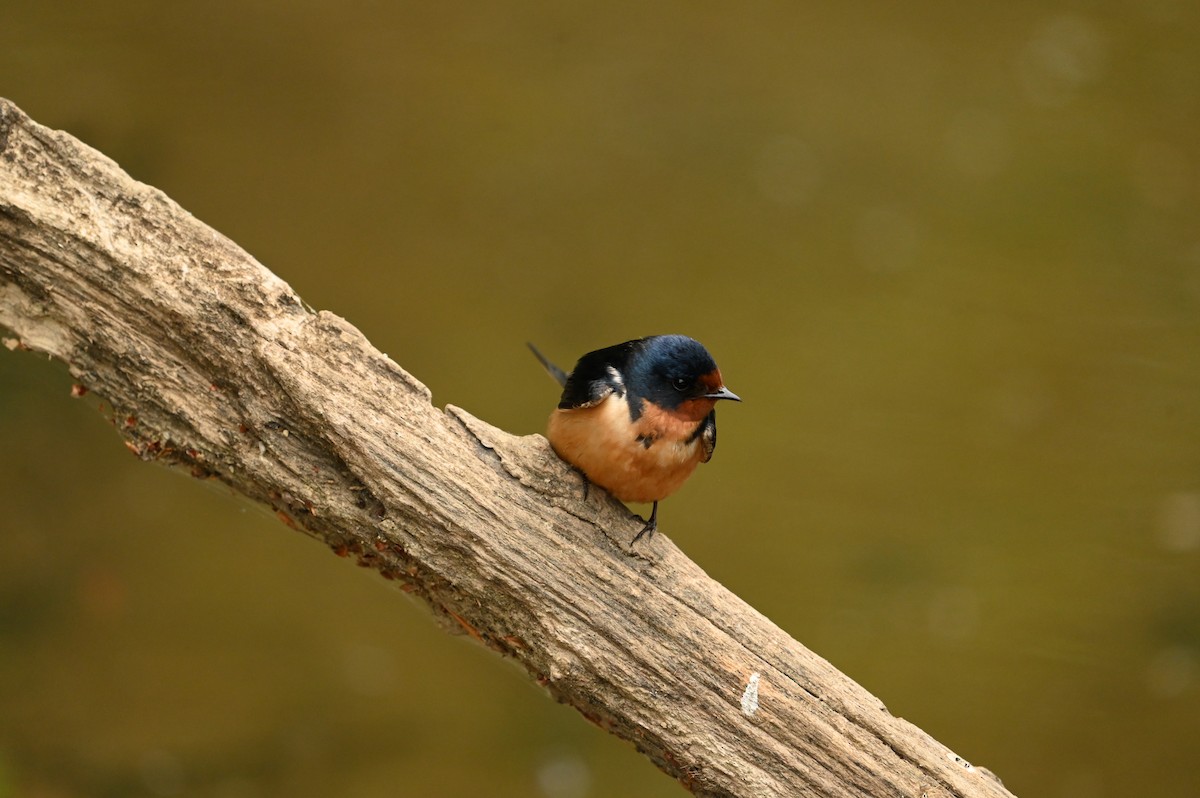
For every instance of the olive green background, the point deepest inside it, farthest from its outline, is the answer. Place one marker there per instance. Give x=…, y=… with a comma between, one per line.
x=948, y=254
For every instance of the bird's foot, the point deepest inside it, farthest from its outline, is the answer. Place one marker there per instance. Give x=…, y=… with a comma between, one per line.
x=650, y=527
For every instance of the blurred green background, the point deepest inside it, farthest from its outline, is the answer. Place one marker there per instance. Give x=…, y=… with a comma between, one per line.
x=949, y=255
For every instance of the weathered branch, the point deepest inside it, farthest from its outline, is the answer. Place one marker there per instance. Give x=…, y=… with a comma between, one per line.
x=214, y=364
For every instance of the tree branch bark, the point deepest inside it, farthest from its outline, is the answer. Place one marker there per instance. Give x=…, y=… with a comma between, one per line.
x=214, y=364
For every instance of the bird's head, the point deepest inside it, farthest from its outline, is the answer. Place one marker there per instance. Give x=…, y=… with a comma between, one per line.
x=677, y=374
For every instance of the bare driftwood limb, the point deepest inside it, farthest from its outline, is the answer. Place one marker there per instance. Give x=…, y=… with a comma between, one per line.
x=213, y=364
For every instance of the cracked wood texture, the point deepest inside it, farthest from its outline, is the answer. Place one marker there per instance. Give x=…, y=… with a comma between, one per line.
x=214, y=364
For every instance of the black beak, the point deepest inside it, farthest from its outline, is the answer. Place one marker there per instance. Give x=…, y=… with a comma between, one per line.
x=723, y=393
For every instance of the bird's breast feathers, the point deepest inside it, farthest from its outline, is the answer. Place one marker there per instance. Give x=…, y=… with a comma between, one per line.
x=640, y=460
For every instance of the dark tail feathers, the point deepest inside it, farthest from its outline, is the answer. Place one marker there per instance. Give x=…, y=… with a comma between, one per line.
x=558, y=374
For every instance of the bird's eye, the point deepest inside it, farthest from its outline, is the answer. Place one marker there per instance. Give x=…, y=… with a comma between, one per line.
x=682, y=384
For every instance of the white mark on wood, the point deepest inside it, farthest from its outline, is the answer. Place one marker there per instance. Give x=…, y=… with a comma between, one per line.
x=32, y=323
x=750, y=696
x=958, y=760
x=100, y=220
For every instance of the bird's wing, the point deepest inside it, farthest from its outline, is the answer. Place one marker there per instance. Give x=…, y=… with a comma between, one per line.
x=588, y=390
x=597, y=376
x=583, y=387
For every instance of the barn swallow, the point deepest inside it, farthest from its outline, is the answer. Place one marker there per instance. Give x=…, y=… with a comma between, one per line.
x=638, y=417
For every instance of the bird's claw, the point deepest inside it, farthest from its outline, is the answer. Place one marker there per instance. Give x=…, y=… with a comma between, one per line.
x=650, y=527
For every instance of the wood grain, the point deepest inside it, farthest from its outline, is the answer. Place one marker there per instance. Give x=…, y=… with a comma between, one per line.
x=215, y=365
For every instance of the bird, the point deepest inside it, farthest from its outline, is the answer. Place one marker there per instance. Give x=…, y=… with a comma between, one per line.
x=637, y=418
